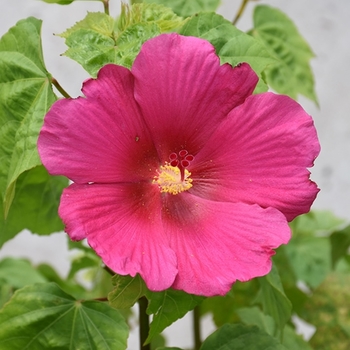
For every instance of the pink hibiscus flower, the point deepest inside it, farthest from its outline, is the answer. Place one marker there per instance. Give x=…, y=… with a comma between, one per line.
x=180, y=174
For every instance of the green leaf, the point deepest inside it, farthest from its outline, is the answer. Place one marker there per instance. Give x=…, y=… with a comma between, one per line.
x=186, y=8
x=291, y=74
x=254, y=316
x=35, y=205
x=291, y=340
x=127, y=291
x=6, y=291
x=272, y=298
x=340, y=242
x=42, y=316
x=320, y=223
x=19, y=272
x=98, y=39
x=166, y=19
x=241, y=337
x=167, y=307
x=310, y=258
x=232, y=45
x=84, y=261
x=67, y=285
x=223, y=308
x=25, y=96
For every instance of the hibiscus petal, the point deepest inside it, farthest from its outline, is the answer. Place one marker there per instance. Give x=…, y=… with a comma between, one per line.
x=122, y=223
x=217, y=243
x=184, y=92
x=100, y=138
x=260, y=154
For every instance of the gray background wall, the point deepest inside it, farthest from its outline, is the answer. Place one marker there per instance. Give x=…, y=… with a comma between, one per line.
x=324, y=24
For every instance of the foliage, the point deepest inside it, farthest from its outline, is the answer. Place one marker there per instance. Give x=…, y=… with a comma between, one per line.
x=43, y=310
x=99, y=39
x=291, y=74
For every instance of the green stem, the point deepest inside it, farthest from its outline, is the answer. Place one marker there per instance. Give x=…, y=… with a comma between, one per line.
x=240, y=11
x=106, y=6
x=144, y=323
x=59, y=88
x=197, y=328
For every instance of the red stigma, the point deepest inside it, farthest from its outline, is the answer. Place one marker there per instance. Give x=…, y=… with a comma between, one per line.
x=181, y=160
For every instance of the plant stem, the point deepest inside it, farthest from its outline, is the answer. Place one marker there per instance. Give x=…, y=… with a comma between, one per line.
x=59, y=88
x=240, y=11
x=106, y=6
x=197, y=328
x=144, y=323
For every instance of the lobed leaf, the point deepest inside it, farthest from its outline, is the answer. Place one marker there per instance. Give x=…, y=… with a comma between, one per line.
x=25, y=96
x=291, y=74
x=186, y=8
x=241, y=337
x=98, y=39
x=35, y=205
x=42, y=316
x=232, y=45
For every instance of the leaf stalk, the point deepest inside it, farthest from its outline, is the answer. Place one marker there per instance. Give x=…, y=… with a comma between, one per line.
x=241, y=10
x=57, y=85
x=106, y=6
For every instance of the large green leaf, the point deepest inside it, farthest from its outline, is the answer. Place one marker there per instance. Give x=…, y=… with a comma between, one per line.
x=291, y=74
x=273, y=299
x=98, y=39
x=25, y=96
x=241, y=337
x=186, y=8
x=42, y=316
x=35, y=205
x=231, y=44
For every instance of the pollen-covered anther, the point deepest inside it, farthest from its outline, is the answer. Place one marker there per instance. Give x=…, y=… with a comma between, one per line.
x=173, y=177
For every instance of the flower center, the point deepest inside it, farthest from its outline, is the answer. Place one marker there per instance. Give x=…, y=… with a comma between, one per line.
x=173, y=176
